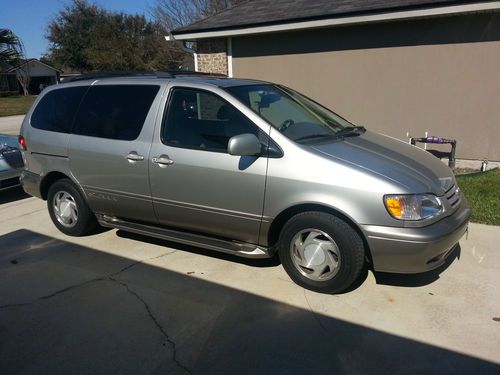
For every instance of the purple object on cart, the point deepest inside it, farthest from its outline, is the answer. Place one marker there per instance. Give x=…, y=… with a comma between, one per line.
x=440, y=154
x=434, y=139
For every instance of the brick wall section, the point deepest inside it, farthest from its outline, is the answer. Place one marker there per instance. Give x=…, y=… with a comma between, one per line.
x=212, y=56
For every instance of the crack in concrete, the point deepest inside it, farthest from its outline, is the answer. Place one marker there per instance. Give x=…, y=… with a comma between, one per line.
x=111, y=277
x=156, y=322
x=141, y=261
x=71, y=287
x=315, y=315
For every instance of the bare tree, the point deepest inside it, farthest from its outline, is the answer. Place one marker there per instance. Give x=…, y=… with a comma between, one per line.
x=174, y=13
x=23, y=76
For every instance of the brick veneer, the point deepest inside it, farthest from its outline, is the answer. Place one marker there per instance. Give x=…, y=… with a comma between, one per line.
x=212, y=56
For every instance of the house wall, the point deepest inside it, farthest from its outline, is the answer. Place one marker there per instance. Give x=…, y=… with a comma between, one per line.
x=439, y=75
x=39, y=70
x=212, y=56
x=8, y=83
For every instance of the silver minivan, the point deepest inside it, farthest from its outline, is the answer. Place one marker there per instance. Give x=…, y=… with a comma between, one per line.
x=245, y=167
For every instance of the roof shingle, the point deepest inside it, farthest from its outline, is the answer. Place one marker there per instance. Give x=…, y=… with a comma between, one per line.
x=269, y=12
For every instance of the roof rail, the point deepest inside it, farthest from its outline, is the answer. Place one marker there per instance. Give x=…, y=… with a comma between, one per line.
x=157, y=74
x=176, y=73
x=100, y=75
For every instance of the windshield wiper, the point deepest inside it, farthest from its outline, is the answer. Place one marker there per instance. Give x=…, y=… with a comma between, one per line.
x=351, y=131
x=312, y=136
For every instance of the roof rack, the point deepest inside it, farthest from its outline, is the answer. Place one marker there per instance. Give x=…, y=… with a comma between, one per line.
x=194, y=73
x=157, y=74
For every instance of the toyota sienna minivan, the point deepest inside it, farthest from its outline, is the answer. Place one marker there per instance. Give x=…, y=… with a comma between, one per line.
x=244, y=167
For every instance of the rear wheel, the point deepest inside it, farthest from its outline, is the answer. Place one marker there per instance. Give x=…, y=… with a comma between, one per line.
x=321, y=252
x=68, y=210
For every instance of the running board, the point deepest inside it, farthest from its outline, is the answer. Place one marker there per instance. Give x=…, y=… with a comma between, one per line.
x=240, y=249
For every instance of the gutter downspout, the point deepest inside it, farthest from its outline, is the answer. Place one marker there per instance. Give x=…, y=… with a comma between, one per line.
x=185, y=48
x=229, y=57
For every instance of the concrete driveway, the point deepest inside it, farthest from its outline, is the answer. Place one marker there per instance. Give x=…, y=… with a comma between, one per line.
x=11, y=124
x=120, y=303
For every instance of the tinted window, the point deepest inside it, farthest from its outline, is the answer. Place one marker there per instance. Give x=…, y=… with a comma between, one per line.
x=202, y=120
x=57, y=109
x=115, y=111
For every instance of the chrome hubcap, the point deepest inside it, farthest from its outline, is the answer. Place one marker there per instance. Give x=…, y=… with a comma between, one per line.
x=65, y=209
x=315, y=254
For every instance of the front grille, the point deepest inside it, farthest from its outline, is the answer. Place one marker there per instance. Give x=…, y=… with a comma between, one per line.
x=453, y=196
x=13, y=157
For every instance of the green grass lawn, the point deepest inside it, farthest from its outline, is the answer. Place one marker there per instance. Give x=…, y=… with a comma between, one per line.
x=482, y=189
x=15, y=105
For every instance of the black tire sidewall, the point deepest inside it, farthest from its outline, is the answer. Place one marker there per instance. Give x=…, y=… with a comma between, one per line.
x=349, y=242
x=86, y=219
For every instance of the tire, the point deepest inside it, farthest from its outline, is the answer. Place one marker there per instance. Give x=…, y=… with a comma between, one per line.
x=69, y=210
x=321, y=252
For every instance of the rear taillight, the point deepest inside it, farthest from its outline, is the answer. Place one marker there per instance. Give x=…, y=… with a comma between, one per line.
x=22, y=143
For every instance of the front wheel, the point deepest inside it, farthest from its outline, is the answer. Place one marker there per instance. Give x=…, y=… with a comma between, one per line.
x=321, y=252
x=68, y=209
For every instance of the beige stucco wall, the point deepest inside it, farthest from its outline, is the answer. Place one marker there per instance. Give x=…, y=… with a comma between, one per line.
x=440, y=76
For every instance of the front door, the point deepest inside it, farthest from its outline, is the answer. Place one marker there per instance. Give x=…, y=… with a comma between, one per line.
x=195, y=184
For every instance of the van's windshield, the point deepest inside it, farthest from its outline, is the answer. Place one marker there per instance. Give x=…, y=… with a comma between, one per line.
x=294, y=115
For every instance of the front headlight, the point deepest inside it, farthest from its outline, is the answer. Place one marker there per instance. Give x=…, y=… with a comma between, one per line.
x=413, y=206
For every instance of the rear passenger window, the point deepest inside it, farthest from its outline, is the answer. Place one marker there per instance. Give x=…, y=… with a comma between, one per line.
x=201, y=120
x=56, y=110
x=115, y=111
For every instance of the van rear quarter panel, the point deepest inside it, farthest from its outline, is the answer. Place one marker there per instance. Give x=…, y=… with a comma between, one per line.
x=46, y=150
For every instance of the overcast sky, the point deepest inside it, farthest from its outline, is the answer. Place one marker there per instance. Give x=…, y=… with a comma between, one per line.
x=28, y=19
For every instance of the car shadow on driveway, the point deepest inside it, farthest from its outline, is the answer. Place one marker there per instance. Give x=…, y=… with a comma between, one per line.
x=266, y=262
x=13, y=195
x=67, y=308
x=402, y=280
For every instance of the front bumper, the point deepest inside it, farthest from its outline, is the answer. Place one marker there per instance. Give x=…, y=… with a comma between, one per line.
x=415, y=250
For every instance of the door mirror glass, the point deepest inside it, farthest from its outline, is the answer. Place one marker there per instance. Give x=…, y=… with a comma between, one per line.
x=244, y=145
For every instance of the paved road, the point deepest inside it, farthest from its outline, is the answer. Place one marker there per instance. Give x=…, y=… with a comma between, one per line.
x=11, y=124
x=118, y=303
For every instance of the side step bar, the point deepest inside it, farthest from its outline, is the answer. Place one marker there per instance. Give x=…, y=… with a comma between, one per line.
x=241, y=249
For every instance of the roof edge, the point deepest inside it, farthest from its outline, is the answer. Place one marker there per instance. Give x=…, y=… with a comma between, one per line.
x=26, y=61
x=335, y=21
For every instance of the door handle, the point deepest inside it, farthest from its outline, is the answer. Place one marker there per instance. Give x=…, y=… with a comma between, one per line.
x=163, y=160
x=133, y=157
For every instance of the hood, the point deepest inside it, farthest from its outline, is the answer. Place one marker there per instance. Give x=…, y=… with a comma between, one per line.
x=414, y=169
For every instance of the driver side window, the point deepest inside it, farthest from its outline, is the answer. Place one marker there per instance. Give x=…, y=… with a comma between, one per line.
x=201, y=120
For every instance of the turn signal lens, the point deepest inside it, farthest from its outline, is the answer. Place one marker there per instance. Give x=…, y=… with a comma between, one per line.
x=394, y=207
x=413, y=206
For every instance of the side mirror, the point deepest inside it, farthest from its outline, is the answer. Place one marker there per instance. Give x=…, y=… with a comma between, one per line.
x=244, y=145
